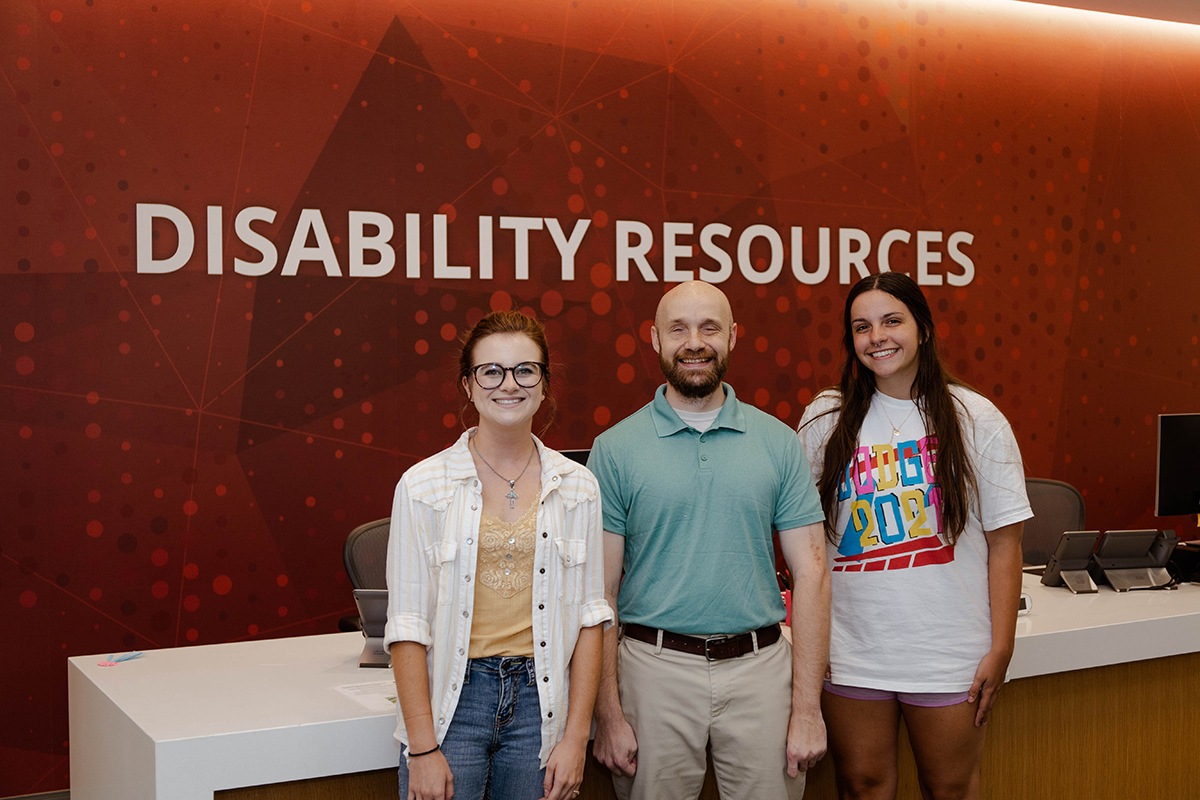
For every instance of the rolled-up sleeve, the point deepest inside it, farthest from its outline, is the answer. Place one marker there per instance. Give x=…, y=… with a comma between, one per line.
x=595, y=609
x=412, y=586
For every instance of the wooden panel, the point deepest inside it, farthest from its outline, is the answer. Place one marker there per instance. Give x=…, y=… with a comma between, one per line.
x=381, y=785
x=1096, y=733
x=1104, y=732
x=1084, y=735
x=378, y=785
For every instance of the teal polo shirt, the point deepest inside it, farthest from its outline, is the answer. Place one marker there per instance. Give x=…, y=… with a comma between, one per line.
x=697, y=511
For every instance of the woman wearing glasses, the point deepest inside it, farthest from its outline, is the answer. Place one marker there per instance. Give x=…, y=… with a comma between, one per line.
x=496, y=591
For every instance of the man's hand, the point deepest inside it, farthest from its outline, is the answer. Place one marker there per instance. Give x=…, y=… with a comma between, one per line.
x=806, y=743
x=616, y=745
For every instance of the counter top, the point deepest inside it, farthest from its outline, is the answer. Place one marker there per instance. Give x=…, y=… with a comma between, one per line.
x=184, y=722
x=1065, y=631
x=181, y=723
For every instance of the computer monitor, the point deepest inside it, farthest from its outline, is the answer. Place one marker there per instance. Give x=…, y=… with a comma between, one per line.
x=1126, y=549
x=1178, y=485
x=1134, y=560
x=578, y=456
x=1068, y=566
x=372, y=612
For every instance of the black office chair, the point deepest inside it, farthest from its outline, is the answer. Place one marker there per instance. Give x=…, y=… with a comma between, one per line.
x=1057, y=507
x=365, y=557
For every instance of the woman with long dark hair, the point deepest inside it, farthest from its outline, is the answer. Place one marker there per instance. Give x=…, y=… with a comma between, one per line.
x=924, y=496
x=495, y=591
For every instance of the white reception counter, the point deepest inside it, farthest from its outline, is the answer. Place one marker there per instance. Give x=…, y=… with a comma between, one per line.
x=184, y=723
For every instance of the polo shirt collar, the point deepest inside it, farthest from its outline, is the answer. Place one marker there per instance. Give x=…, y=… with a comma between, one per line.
x=667, y=422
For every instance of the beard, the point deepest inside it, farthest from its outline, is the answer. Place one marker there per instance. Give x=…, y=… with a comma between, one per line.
x=692, y=383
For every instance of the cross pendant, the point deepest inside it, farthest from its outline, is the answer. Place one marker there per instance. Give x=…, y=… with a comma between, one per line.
x=512, y=494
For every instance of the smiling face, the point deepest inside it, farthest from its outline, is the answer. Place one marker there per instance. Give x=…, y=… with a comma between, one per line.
x=508, y=405
x=887, y=341
x=693, y=335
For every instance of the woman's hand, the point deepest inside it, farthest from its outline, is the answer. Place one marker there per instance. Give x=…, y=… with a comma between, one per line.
x=564, y=771
x=989, y=677
x=1004, y=594
x=429, y=778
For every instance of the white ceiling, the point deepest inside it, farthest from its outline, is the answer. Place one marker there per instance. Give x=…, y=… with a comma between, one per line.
x=1172, y=10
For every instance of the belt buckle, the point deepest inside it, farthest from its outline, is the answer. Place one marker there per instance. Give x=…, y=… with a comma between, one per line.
x=708, y=656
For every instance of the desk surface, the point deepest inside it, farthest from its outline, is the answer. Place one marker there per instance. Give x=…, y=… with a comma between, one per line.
x=186, y=692
x=1064, y=631
x=182, y=723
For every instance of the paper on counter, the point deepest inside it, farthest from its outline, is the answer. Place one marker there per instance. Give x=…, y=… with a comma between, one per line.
x=374, y=696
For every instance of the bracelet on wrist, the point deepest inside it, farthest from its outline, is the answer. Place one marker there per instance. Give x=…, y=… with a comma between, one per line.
x=433, y=749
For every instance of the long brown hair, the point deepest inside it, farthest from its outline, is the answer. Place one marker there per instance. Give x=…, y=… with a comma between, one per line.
x=506, y=322
x=930, y=391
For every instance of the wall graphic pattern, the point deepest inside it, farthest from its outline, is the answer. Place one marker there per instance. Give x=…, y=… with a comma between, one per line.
x=183, y=453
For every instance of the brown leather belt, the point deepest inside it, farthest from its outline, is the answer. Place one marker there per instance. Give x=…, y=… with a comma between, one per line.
x=714, y=648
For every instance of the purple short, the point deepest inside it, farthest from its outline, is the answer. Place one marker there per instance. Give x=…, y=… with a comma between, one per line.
x=922, y=699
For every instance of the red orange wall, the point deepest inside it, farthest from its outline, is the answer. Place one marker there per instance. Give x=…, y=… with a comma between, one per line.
x=184, y=452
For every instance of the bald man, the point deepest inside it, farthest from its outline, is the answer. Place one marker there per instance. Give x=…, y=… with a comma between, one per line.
x=692, y=486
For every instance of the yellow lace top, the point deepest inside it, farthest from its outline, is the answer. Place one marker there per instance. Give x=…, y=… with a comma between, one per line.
x=503, y=624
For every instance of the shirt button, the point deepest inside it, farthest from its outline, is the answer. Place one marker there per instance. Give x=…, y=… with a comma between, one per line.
x=467, y=578
x=474, y=508
x=441, y=720
x=541, y=607
x=466, y=614
x=554, y=478
x=544, y=534
x=549, y=714
x=545, y=680
x=704, y=458
x=470, y=541
x=542, y=570
x=543, y=644
x=454, y=686
x=460, y=651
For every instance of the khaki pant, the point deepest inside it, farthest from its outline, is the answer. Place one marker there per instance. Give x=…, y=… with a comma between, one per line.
x=678, y=703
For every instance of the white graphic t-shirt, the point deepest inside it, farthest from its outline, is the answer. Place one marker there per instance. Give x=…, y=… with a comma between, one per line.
x=910, y=611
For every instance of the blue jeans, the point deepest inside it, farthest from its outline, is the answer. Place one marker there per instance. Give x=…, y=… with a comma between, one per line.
x=494, y=739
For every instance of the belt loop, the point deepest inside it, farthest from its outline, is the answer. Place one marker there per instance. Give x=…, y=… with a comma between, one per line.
x=658, y=644
x=754, y=641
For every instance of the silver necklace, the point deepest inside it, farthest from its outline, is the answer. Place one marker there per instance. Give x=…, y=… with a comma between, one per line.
x=512, y=484
x=895, y=428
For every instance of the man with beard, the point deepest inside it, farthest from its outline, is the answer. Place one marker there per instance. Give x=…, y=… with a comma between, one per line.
x=692, y=485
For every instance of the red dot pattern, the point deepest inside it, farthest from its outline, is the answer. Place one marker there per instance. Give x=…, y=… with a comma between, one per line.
x=186, y=453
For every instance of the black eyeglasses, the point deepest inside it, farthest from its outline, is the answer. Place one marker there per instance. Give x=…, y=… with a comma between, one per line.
x=527, y=374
